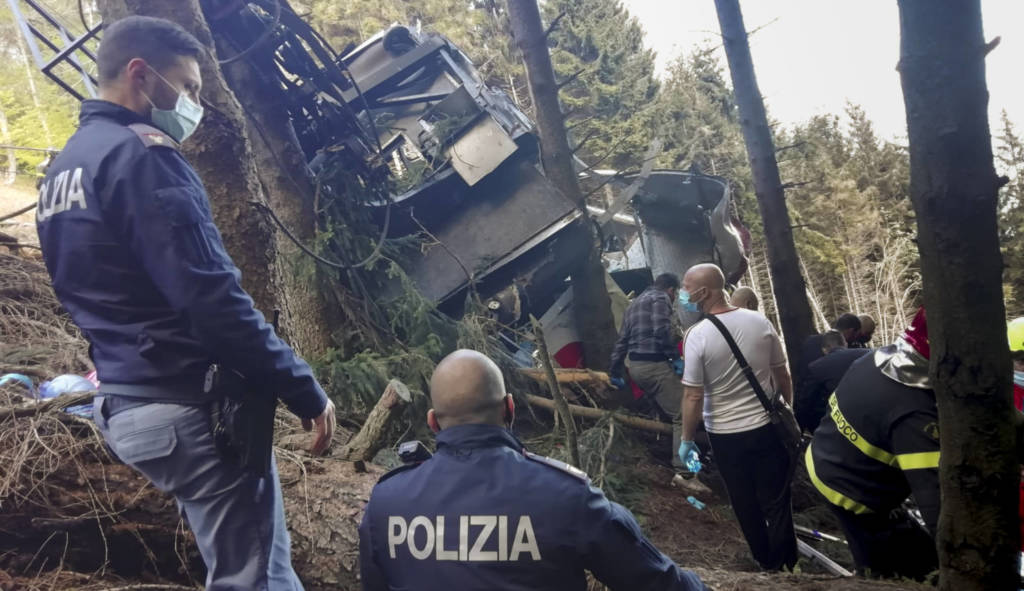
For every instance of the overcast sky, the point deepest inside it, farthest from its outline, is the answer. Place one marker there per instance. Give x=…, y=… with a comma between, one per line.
x=817, y=54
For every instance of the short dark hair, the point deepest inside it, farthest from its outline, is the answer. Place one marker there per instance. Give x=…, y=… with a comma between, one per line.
x=832, y=340
x=847, y=322
x=156, y=40
x=667, y=281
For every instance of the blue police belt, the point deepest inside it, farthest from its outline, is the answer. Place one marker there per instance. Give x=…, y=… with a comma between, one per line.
x=121, y=397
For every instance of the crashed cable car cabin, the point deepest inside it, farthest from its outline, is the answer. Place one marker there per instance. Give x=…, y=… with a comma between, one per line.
x=464, y=162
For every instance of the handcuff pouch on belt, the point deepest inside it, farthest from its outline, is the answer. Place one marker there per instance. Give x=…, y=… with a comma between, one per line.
x=241, y=419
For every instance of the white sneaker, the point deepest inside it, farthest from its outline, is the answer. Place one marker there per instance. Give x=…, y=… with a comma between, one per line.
x=689, y=483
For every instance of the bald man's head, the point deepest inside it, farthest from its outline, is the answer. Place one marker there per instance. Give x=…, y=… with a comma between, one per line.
x=468, y=388
x=705, y=284
x=744, y=297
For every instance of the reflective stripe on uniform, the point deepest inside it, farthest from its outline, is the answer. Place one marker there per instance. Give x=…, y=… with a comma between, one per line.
x=846, y=430
x=835, y=497
x=918, y=461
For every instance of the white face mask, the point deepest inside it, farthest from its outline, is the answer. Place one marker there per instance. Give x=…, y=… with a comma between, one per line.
x=179, y=122
x=1018, y=378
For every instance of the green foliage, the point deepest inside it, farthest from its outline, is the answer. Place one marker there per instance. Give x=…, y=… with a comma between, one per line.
x=39, y=113
x=853, y=219
x=597, y=51
x=699, y=121
x=1010, y=160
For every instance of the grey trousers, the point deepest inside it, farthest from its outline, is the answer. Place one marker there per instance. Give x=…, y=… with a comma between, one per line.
x=659, y=380
x=237, y=518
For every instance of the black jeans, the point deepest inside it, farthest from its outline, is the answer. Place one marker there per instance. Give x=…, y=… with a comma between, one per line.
x=890, y=545
x=756, y=470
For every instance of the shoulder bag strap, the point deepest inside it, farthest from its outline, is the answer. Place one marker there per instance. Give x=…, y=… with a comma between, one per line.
x=747, y=371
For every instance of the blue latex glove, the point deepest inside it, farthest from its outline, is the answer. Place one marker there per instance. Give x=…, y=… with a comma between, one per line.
x=617, y=382
x=689, y=455
x=677, y=365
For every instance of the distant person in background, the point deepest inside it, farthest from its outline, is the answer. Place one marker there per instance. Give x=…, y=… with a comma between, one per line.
x=823, y=376
x=1015, y=334
x=744, y=297
x=811, y=351
x=867, y=330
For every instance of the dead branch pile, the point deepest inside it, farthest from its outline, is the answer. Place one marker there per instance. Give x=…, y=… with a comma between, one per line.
x=36, y=337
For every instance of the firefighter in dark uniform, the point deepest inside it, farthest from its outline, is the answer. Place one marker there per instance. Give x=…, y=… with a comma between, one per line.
x=136, y=260
x=879, y=443
x=483, y=514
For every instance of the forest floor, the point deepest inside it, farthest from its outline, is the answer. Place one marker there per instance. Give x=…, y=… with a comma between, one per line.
x=12, y=198
x=72, y=517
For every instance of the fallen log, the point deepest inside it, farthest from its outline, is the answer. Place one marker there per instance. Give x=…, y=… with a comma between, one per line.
x=596, y=413
x=570, y=376
x=370, y=438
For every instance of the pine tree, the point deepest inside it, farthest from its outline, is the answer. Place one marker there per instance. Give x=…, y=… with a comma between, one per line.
x=607, y=78
x=1010, y=158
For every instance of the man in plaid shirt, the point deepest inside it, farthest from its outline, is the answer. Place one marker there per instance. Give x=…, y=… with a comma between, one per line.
x=649, y=338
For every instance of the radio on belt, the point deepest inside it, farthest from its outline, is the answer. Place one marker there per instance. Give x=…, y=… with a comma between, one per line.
x=413, y=452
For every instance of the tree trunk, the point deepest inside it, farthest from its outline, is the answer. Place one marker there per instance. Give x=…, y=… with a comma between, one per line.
x=289, y=188
x=954, y=187
x=789, y=287
x=591, y=302
x=227, y=161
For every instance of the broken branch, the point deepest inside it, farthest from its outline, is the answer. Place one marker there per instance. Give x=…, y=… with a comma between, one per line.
x=596, y=413
x=554, y=25
x=556, y=393
x=370, y=438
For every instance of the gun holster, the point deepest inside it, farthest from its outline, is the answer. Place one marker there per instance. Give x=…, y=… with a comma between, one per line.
x=241, y=419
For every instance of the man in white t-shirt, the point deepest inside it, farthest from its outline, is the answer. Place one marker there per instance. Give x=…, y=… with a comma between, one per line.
x=748, y=452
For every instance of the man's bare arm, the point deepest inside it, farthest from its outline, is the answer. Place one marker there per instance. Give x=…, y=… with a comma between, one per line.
x=692, y=409
x=784, y=382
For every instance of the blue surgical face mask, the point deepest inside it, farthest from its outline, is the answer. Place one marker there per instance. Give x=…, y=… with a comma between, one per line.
x=179, y=122
x=1018, y=378
x=684, y=301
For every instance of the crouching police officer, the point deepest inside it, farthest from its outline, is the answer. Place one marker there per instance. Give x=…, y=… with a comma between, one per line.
x=483, y=514
x=136, y=260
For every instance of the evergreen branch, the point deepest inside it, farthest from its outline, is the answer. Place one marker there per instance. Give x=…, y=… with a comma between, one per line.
x=554, y=25
x=572, y=77
x=790, y=146
x=579, y=122
x=590, y=135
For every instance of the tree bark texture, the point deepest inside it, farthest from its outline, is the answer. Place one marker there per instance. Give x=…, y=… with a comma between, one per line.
x=288, y=187
x=591, y=303
x=784, y=263
x=370, y=438
x=954, y=188
x=225, y=159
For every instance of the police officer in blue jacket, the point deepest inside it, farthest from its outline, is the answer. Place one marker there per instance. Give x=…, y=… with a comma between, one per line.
x=483, y=514
x=136, y=260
